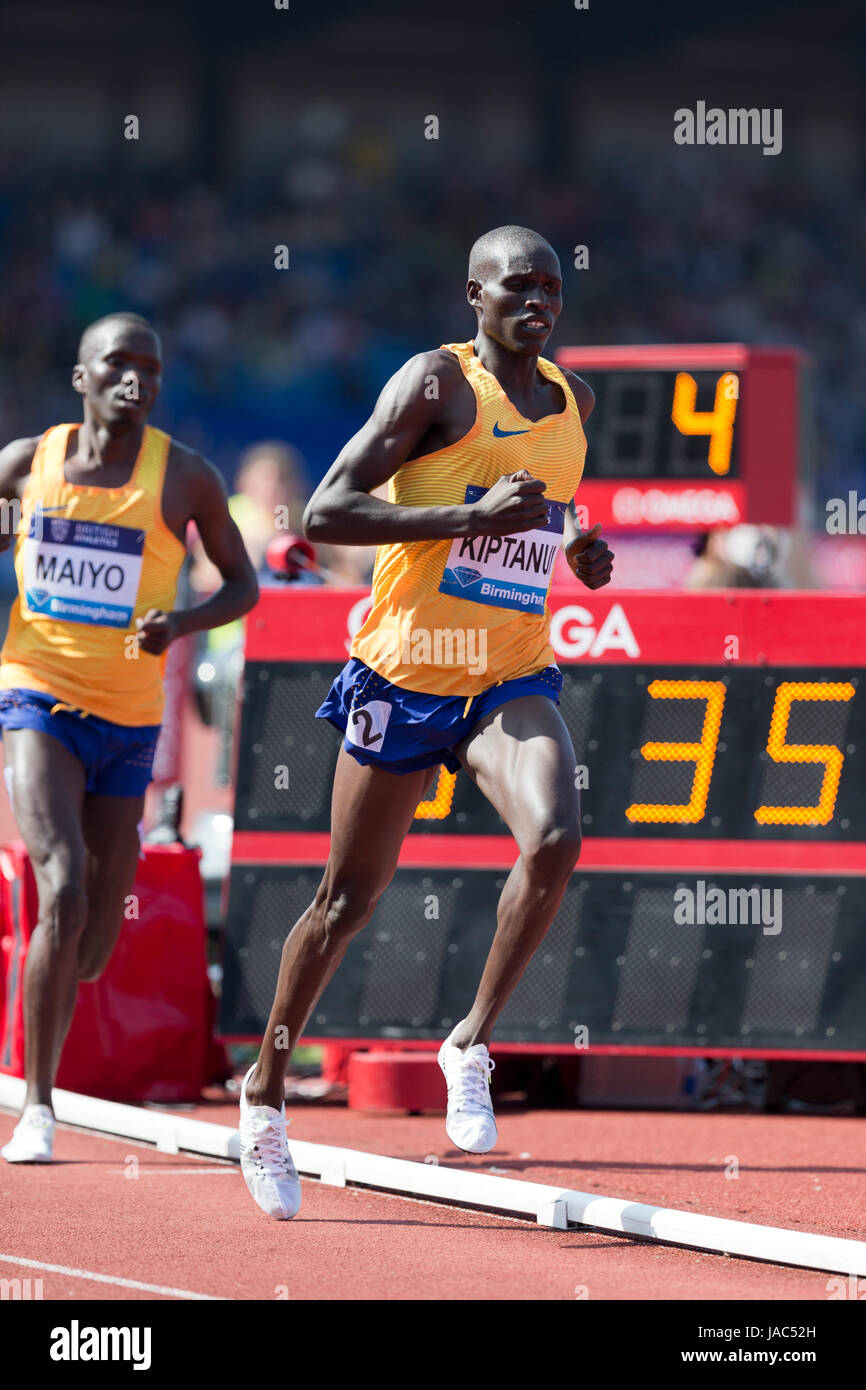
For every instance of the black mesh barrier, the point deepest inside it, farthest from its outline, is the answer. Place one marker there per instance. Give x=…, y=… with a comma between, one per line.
x=649, y=958
x=286, y=767
x=658, y=967
x=788, y=972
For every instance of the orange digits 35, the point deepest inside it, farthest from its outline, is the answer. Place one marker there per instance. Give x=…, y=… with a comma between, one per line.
x=702, y=754
x=718, y=423
x=826, y=753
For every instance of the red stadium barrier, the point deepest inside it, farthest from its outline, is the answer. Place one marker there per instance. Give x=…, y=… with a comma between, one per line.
x=142, y=1031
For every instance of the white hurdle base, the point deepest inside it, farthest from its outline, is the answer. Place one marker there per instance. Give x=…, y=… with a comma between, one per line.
x=549, y=1206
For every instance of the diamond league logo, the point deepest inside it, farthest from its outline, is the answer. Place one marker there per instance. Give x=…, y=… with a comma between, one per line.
x=466, y=576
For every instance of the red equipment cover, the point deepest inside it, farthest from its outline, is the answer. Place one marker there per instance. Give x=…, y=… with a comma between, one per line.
x=143, y=1030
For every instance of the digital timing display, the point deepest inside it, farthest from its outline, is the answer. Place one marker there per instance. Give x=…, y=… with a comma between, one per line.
x=725, y=757
x=665, y=424
x=690, y=436
x=719, y=750
x=740, y=754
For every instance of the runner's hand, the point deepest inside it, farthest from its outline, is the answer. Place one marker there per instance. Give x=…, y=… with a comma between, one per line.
x=590, y=559
x=515, y=502
x=155, y=631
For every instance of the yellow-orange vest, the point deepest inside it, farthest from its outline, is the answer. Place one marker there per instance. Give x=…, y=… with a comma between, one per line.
x=89, y=561
x=453, y=617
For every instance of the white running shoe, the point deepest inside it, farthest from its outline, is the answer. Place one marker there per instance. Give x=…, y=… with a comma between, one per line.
x=469, y=1122
x=33, y=1137
x=266, y=1162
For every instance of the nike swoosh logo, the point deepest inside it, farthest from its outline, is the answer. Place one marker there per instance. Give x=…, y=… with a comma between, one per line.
x=503, y=434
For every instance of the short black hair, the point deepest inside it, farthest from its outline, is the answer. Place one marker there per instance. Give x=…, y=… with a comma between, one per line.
x=93, y=330
x=490, y=249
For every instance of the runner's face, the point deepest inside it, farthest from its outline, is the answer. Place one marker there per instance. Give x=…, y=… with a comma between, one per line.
x=521, y=301
x=122, y=375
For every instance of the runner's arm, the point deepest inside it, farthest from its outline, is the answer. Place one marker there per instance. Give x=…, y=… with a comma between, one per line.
x=341, y=510
x=588, y=556
x=224, y=547
x=207, y=500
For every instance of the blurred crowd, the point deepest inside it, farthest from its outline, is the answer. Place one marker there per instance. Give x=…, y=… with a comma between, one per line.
x=681, y=248
x=269, y=371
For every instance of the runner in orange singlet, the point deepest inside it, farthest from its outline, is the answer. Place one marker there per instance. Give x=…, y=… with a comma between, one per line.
x=104, y=510
x=484, y=448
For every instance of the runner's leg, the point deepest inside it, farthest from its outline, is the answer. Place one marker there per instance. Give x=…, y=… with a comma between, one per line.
x=48, y=792
x=110, y=826
x=371, y=813
x=521, y=757
x=111, y=855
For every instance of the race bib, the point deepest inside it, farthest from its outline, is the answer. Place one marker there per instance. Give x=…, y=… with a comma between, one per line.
x=505, y=571
x=82, y=571
x=366, y=725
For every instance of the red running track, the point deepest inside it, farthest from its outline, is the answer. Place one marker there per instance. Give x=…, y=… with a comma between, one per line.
x=182, y=1225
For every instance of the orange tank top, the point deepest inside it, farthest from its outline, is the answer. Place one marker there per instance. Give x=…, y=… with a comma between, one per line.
x=453, y=617
x=89, y=561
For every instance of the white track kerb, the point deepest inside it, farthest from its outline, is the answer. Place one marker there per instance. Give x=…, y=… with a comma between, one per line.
x=549, y=1206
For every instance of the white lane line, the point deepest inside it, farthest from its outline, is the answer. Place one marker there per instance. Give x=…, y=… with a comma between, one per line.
x=176, y=1172
x=556, y=1207
x=111, y=1279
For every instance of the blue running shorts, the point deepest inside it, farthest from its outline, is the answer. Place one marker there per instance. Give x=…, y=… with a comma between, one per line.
x=117, y=758
x=403, y=730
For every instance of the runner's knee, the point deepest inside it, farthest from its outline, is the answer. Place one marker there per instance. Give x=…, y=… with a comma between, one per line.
x=345, y=907
x=105, y=915
x=62, y=910
x=553, y=849
x=91, y=966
